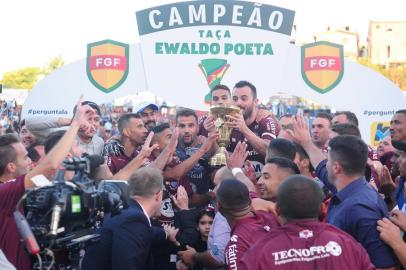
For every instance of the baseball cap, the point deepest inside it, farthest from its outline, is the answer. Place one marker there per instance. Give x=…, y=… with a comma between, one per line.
x=92, y=105
x=143, y=105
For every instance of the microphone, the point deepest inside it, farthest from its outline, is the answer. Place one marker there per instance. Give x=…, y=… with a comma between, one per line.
x=26, y=233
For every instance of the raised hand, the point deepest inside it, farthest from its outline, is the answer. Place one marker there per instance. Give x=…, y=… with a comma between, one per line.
x=181, y=200
x=83, y=114
x=147, y=149
x=209, y=142
x=301, y=131
x=238, y=157
x=208, y=123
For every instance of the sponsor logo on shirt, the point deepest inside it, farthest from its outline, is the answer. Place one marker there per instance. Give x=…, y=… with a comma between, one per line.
x=305, y=234
x=231, y=255
x=234, y=238
x=307, y=254
x=166, y=208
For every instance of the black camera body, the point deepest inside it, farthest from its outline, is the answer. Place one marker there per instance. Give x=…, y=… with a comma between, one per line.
x=64, y=216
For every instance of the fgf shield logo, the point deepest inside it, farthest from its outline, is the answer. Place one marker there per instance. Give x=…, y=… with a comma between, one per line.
x=107, y=64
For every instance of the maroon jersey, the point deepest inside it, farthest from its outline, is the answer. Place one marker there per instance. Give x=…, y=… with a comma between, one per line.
x=267, y=129
x=168, y=208
x=306, y=245
x=372, y=154
x=10, y=193
x=245, y=233
x=116, y=163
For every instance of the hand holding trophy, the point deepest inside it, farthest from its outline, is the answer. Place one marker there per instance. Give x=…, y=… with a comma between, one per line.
x=219, y=114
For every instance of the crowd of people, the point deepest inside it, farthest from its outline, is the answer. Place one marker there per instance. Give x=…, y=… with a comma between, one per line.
x=291, y=196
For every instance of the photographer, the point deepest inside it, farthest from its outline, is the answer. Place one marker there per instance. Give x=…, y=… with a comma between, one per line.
x=14, y=166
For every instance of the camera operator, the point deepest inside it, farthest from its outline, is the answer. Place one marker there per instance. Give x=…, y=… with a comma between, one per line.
x=16, y=179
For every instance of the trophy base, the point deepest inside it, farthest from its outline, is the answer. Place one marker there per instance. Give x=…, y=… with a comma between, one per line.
x=219, y=158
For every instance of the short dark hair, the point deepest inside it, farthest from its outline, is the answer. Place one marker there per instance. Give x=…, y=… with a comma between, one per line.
x=288, y=115
x=351, y=117
x=33, y=153
x=125, y=119
x=324, y=115
x=7, y=152
x=401, y=111
x=146, y=182
x=346, y=129
x=303, y=155
x=351, y=152
x=159, y=128
x=284, y=163
x=220, y=87
x=206, y=211
x=295, y=192
x=52, y=139
x=280, y=147
x=184, y=112
x=241, y=84
x=233, y=195
x=93, y=105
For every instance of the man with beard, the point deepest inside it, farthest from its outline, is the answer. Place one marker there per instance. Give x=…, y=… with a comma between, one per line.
x=132, y=135
x=149, y=114
x=221, y=95
x=247, y=128
x=194, y=157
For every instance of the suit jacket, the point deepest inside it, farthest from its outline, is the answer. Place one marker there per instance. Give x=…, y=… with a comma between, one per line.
x=125, y=242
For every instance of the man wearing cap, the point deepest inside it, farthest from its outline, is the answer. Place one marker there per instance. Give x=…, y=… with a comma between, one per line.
x=92, y=144
x=149, y=114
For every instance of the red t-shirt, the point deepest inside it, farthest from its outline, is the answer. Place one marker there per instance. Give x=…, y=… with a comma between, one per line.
x=306, y=245
x=10, y=193
x=267, y=129
x=245, y=233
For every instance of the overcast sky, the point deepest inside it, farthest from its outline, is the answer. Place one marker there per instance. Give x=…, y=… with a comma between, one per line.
x=33, y=32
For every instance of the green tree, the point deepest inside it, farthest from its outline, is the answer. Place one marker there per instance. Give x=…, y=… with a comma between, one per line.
x=53, y=64
x=24, y=78
x=27, y=77
x=395, y=73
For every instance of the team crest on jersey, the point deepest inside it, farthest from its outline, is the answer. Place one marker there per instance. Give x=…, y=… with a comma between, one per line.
x=322, y=65
x=305, y=234
x=107, y=64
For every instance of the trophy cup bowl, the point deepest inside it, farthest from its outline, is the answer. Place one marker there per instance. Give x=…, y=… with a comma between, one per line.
x=219, y=113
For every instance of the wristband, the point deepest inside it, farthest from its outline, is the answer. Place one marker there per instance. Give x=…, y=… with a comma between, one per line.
x=235, y=171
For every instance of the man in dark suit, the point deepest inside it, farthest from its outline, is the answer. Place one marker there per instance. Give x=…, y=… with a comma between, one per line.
x=126, y=239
